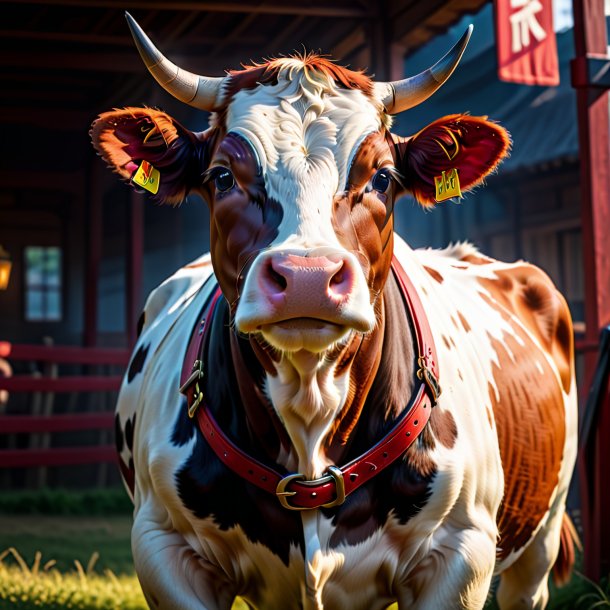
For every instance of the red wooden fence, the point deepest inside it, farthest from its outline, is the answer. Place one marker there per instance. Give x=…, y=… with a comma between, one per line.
x=59, y=456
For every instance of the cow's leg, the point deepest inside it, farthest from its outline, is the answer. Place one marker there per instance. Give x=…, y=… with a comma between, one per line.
x=524, y=585
x=455, y=575
x=171, y=573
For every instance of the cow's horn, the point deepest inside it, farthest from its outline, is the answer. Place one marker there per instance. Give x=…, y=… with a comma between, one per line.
x=203, y=92
x=404, y=94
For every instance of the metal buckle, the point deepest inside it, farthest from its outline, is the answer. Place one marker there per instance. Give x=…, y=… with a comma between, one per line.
x=282, y=494
x=195, y=377
x=426, y=375
x=334, y=473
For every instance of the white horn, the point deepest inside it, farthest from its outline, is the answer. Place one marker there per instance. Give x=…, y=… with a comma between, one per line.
x=404, y=94
x=202, y=92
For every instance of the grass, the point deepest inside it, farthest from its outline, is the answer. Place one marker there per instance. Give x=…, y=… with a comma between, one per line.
x=66, y=539
x=42, y=586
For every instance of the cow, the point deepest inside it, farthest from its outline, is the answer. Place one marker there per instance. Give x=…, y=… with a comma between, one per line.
x=315, y=414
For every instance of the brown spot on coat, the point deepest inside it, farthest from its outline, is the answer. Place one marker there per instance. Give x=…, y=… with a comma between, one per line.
x=530, y=422
x=477, y=259
x=464, y=322
x=528, y=294
x=435, y=274
x=443, y=427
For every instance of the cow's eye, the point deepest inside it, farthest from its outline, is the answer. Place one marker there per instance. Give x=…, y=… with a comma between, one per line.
x=224, y=180
x=381, y=181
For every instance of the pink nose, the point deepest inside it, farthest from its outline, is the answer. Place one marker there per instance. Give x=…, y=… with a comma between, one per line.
x=306, y=280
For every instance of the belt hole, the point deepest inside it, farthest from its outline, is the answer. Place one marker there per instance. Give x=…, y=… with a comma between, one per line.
x=313, y=494
x=353, y=476
x=408, y=434
x=385, y=454
x=250, y=472
x=263, y=478
x=416, y=422
x=226, y=454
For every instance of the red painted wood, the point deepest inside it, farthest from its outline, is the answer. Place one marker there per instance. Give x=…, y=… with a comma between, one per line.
x=594, y=146
x=11, y=424
x=586, y=346
x=64, y=355
x=58, y=456
x=135, y=251
x=22, y=383
x=95, y=222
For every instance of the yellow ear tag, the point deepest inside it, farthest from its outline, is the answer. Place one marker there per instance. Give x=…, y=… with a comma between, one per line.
x=447, y=185
x=147, y=177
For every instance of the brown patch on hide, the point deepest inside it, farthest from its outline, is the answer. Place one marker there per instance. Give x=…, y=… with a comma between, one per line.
x=464, y=322
x=243, y=220
x=446, y=342
x=530, y=419
x=434, y=274
x=489, y=417
x=260, y=414
x=443, y=427
x=363, y=219
x=527, y=293
x=477, y=259
x=362, y=374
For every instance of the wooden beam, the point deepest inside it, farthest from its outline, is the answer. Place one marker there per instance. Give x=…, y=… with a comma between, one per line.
x=48, y=118
x=594, y=147
x=80, y=37
x=288, y=8
x=128, y=62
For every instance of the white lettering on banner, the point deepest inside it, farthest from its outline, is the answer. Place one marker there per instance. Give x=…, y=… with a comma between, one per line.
x=523, y=22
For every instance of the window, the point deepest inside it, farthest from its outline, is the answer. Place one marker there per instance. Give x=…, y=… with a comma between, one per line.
x=42, y=284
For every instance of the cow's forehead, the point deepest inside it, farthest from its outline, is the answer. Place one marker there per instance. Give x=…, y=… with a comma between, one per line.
x=304, y=127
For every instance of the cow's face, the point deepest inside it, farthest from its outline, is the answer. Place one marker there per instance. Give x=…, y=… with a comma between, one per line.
x=301, y=190
x=301, y=174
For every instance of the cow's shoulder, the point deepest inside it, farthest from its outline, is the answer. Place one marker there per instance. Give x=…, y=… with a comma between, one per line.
x=177, y=298
x=519, y=292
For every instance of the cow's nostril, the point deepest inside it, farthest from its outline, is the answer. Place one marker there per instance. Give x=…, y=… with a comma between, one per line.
x=338, y=277
x=277, y=280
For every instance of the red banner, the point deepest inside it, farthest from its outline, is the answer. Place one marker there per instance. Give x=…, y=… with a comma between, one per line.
x=527, y=48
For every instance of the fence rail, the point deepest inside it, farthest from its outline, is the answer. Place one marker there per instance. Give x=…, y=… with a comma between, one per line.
x=50, y=384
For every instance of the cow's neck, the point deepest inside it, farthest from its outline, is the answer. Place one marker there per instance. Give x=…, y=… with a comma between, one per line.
x=319, y=399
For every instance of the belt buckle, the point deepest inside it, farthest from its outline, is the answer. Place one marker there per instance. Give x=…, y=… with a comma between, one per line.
x=333, y=472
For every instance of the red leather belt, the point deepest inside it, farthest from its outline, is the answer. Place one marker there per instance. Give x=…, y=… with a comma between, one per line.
x=293, y=491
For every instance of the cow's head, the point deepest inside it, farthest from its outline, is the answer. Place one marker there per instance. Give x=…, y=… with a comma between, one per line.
x=301, y=174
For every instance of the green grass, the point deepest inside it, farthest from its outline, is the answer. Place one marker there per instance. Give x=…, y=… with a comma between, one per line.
x=66, y=539
x=41, y=586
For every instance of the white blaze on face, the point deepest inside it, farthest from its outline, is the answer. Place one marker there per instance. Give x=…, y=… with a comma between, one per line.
x=305, y=130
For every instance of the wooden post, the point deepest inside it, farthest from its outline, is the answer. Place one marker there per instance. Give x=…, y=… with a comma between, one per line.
x=133, y=277
x=94, y=216
x=594, y=146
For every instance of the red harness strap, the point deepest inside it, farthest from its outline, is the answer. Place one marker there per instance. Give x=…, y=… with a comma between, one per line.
x=294, y=491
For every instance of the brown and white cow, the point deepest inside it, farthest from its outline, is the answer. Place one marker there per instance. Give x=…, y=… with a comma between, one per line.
x=310, y=357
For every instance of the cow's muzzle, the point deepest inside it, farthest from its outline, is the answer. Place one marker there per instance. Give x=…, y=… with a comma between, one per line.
x=305, y=299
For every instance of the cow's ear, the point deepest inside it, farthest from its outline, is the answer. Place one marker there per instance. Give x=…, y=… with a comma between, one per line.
x=152, y=151
x=472, y=146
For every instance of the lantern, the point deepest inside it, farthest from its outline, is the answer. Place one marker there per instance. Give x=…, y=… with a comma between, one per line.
x=5, y=268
